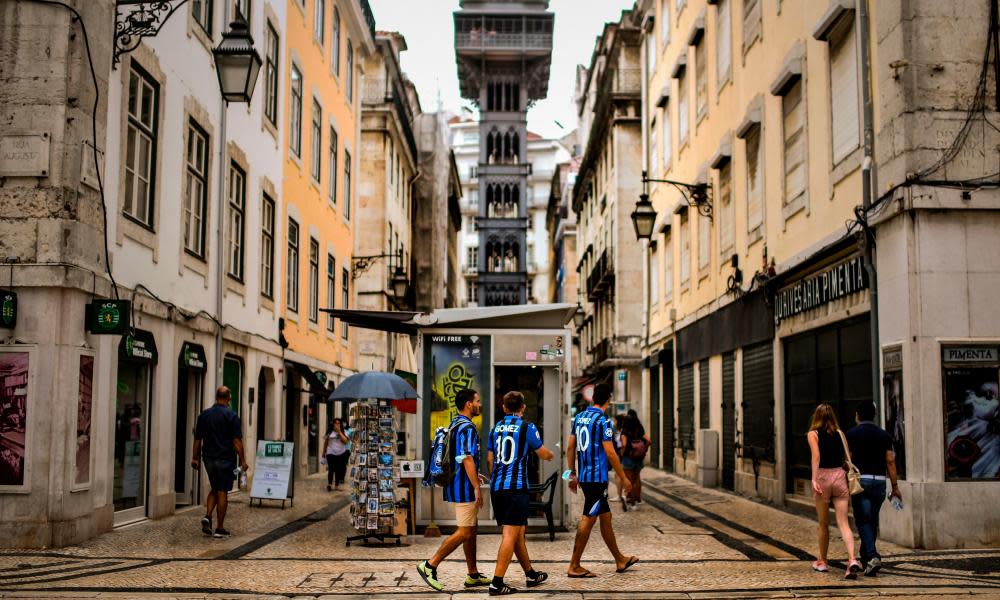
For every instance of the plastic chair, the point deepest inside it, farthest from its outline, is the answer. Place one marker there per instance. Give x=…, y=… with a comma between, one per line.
x=546, y=494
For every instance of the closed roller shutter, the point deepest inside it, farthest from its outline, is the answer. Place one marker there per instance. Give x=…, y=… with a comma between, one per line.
x=758, y=401
x=704, y=401
x=685, y=407
x=728, y=420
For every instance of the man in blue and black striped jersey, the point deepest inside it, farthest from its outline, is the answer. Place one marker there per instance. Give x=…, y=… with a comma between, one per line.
x=463, y=492
x=510, y=442
x=592, y=443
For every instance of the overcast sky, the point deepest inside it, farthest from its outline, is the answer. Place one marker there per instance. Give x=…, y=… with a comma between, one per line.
x=429, y=62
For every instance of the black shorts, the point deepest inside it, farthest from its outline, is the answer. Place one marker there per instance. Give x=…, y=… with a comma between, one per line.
x=510, y=507
x=595, y=499
x=220, y=474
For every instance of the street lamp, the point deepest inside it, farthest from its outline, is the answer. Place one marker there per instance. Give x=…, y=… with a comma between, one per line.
x=578, y=316
x=400, y=283
x=644, y=216
x=237, y=63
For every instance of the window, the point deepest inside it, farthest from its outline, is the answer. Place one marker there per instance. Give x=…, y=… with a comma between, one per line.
x=668, y=137
x=755, y=179
x=683, y=121
x=195, y=190
x=271, y=76
x=751, y=23
x=313, y=280
x=668, y=266
x=350, y=72
x=685, y=249
x=295, y=119
x=704, y=242
x=237, y=220
x=472, y=292
x=347, y=185
x=726, y=209
x=474, y=199
x=700, y=79
x=267, y=247
x=333, y=166
x=241, y=8
x=654, y=155
x=472, y=259
x=292, y=275
x=345, y=295
x=664, y=23
x=319, y=20
x=140, y=146
x=844, y=102
x=201, y=12
x=317, y=141
x=723, y=43
x=335, y=42
x=331, y=283
x=680, y=5
x=650, y=54
x=654, y=276
x=793, y=127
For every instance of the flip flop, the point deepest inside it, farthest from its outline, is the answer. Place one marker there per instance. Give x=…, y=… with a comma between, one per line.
x=631, y=563
x=585, y=575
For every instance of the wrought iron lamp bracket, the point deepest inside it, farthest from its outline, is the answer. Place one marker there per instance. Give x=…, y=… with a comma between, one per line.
x=697, y=195
x=136, y=19
x=360, y=264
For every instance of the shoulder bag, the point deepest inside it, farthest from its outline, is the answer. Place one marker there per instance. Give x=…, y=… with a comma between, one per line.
x=853, y=474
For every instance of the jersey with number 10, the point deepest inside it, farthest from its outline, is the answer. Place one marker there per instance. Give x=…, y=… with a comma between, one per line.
x=592, y=428
x=510, y=442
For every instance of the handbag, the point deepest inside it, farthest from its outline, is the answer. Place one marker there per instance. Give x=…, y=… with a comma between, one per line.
x=853, y=474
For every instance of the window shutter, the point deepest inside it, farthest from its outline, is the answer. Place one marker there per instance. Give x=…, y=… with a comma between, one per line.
x=668, y=139
x=844, y=101
x=755, y=180
x=726, y=208
x=723, y=42
x=704, y=241
x=654, y=276
x=751, y=22
x=668, y=266
x=685, y=249
x=701, y=78
x=795, y=142
x=682, y=109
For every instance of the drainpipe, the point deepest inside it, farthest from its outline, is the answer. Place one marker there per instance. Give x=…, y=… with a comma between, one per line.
x=220, y=261
x=869, y=179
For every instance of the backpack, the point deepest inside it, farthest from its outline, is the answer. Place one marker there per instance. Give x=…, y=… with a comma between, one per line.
x=442, y=465
x=636, y=449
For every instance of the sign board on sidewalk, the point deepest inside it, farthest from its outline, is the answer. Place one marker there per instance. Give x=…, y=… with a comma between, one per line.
x=273, y=470
x=411, y=469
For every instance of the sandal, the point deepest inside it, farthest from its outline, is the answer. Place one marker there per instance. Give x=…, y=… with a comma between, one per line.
x=819, y=565
x=632, y=561
x=585, y=575
x=505, y=590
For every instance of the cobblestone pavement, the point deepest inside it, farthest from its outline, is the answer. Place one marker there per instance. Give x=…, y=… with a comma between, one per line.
x=693, y=542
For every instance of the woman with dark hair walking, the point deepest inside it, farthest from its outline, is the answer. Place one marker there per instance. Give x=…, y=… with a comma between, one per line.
x=336, y=454
x=635, y=444
x=829, y=482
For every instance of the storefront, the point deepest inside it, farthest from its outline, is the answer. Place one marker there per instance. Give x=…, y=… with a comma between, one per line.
x=191, y=367
x=137, y=359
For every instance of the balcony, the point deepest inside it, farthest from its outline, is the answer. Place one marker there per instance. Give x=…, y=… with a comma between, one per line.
x=515, y=33
x=600, y=281
x=603, y=350
x=369, y=16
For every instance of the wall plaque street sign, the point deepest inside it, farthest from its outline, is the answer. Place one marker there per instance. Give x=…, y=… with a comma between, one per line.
x=840, y=280
x=24, y=155
x=108, y=317
x=8, y=309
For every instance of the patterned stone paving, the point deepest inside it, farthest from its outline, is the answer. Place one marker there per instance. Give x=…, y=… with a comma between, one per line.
x=694, y=543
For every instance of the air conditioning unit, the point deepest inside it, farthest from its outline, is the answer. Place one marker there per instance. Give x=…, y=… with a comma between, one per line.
x=708, y=457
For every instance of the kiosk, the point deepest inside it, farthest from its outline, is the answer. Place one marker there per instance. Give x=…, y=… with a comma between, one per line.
x=493, y=350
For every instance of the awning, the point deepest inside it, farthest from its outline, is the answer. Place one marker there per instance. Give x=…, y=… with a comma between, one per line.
x=521, y=316
x=193, y=357
x=380, y=320
x=139, y=346
x=316, y=383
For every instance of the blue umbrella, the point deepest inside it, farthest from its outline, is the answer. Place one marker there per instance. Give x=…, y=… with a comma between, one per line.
x=373, y=384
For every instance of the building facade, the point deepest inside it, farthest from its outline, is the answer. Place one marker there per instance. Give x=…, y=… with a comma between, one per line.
x=610, y=264
x=327, y=43
x=759, y=299
x=503, y=50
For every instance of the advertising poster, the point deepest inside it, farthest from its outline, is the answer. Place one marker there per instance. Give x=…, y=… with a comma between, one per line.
x=13, y=416
x=894, y=418
x=272, y=470
x=453, y=363
x=84, y=409
x=972, y=411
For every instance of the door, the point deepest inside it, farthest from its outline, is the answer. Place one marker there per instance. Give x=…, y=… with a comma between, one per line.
x=728, y=420
x=654, y=415
x=189, y=394
x=261, y=406
x=131, y=441
x=667, y=412
x=530, y=382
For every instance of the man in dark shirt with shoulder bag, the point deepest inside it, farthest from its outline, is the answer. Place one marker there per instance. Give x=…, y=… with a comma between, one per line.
x=218, y=440
x=871, y=452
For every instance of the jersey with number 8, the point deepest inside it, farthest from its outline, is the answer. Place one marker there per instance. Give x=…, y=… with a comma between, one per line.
x=592, y=428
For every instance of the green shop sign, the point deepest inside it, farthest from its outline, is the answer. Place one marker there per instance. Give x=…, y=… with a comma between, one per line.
x=108, y=317
x=8, y=309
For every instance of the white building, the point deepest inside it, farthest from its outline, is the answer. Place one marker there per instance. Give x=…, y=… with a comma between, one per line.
x=543, y=155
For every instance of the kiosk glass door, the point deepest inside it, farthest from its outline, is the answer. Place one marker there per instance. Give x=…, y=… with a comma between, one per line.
x=528, y=381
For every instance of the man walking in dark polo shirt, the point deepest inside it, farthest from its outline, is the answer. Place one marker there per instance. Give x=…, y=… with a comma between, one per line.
x=218, y=439
x=871, y=452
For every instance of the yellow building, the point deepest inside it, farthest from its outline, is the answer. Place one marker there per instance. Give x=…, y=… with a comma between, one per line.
x=760, y=102
x=327, y=41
